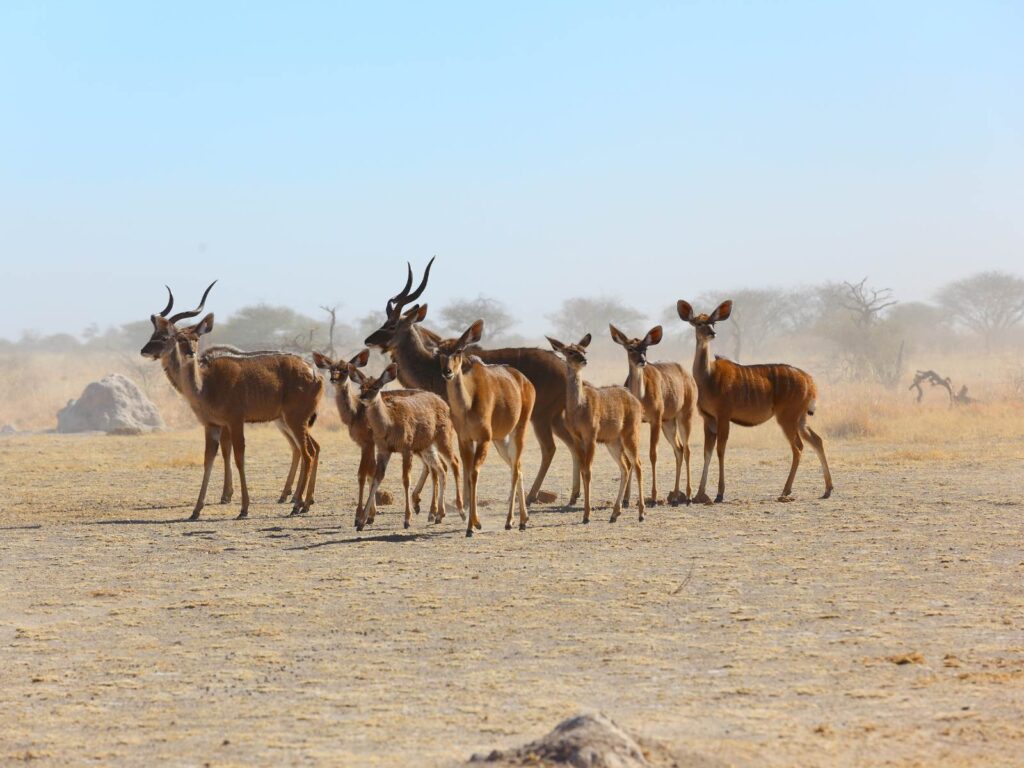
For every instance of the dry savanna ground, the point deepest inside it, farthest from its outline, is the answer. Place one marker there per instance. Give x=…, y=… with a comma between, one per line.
x=882, y=626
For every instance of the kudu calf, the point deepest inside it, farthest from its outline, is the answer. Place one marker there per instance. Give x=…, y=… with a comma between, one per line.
x=418, y=423
x=748, y=395
x=489, y=403
x=668, y=395
x=608, y=415
x=353, y=415
x=228, y=392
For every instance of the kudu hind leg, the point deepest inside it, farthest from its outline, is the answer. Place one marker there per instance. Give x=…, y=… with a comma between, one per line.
x=370, y=507
x=792, y=432
x=685, y=428
x=562, y=430
x=238, y=446
x=670, y=428
x=631, y=449
x=314, y=448
x=818, y=445
x=655, y=436
x=287, y=492
x=406, y=477
x=618, y=454
x=723, y=439
x=301, y=433
x=542, y=429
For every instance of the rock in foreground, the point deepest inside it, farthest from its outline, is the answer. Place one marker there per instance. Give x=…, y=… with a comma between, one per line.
x=112, y=404
x=588, y=741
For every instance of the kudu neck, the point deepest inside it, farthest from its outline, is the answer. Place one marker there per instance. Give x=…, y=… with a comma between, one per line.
x=185, y=374
x=460, y=389
x=348, y=401
x=416, y=363
x=702, y=359
x=573, y=385
x=636, y=379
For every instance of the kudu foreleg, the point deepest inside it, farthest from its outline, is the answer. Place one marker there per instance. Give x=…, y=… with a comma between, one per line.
x=238, y=446
x=212, y=435
x=225, y=450
x=710, y=438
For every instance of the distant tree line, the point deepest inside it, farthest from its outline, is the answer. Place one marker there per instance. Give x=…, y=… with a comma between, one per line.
x=864, y=328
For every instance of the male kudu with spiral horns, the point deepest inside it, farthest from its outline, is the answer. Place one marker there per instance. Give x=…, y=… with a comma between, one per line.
x=228, y=392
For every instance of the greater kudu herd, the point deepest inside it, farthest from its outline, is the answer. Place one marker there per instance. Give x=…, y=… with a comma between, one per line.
x=459, y=398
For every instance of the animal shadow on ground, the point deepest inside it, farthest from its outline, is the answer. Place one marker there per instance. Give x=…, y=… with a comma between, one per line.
x=388, y=538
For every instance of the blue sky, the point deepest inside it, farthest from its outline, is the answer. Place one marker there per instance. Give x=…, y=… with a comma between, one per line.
x=302, y=152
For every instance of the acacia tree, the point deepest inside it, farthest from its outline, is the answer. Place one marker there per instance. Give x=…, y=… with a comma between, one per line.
x=580, y=316
x=988, y=303
x=866, y=303
x=459, y=314
x=757, y=315
x=263, y=326
x=852, y=317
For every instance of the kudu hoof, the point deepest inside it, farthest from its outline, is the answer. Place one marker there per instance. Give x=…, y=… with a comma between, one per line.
x=719, y=499
x=284, y=497
x=784, y=498
x=193, y=516
x=406, y=524
x=827, y=493
x=522, y=526
x=508, y=526
x=242, y=515
x=225, y=499
x=469, y=533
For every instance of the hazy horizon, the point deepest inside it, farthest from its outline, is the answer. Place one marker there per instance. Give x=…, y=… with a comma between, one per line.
x=301, y=156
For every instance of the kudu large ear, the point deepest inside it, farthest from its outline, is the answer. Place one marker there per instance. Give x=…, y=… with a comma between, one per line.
x=390, y=374
x=653, y=336
x=356, y=375
x=473, y=334
x=205, y=325
x=322, y=361
x=618, y=336
x=585, y=341
x=555, y=344
x=685, y=311
x=415, y=315
x=361, y=359
x=722, y=312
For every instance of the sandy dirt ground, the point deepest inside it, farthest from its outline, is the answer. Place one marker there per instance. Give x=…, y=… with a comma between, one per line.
x=884, y=626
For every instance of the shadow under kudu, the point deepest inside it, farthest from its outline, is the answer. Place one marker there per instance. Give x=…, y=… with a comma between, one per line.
x=389, y=538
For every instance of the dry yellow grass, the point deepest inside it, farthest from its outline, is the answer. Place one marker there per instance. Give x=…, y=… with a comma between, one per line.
x=751, y=632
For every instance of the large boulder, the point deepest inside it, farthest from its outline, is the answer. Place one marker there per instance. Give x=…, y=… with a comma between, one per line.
x=113, y=404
